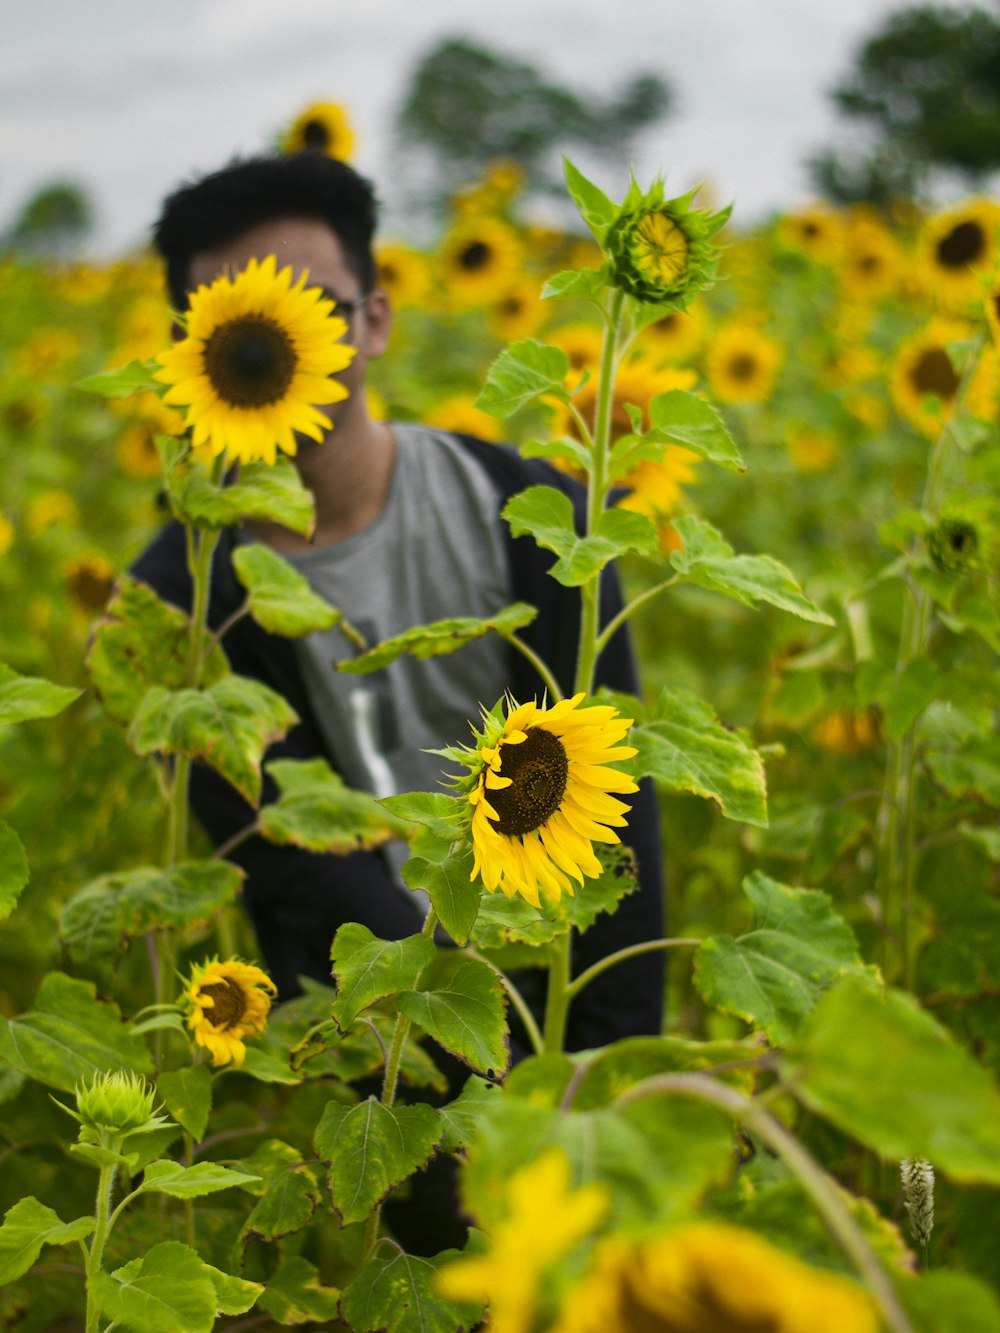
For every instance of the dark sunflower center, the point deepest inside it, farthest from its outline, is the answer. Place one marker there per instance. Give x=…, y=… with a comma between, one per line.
x=230, y=1003
x=250, y=361
x=934, y=373
x=475, y=255
x=538, y=770
x=91, y=589
x=743, y=367
x=962, y=246
x=315, y=134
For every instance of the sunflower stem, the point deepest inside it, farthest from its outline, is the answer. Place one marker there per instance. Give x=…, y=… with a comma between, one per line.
x=620, y=955
x=105, y=1185
x=551, y=684
x=616, y=623
x=557, y=997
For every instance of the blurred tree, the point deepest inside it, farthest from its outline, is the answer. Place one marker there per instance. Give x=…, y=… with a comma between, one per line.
x=466, y=104
x=927, y=84
x=54, y=222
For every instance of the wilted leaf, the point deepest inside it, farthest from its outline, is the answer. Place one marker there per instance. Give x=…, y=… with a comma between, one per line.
x=439, y=638
x=279, y=597
x=316, y=810
x=397, y=1293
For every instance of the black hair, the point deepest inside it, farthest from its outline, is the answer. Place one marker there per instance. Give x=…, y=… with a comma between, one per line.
x=204, y=213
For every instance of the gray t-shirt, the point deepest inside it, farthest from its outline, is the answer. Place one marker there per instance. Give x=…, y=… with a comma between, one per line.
x=436, y=551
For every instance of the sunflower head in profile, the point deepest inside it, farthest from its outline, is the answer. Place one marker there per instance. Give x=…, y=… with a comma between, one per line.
x=225, y=1003
x=541, y=795
x=321, y=128
x=955, y=249
x=661, y=249
x=256, y=360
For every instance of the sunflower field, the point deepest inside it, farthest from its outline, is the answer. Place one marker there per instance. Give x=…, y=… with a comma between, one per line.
x=790, y=441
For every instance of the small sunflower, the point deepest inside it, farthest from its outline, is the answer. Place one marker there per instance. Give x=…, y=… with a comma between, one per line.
x=954, y=250
x=542, y=796
x=811, y=448
x=227, y=1002
x=518, y=311
x=90, y=579
x=479, y=258
x=816, y=232
x=321, y=128
x=660, y=249
x=257, y=358
x=923, y=370
x=741, y=364
x=402, y=273
x=677, y=336
x=870, y=265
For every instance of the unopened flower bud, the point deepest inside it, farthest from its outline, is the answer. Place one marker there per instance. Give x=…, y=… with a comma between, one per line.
x=121, y=1102
x=918, y=1196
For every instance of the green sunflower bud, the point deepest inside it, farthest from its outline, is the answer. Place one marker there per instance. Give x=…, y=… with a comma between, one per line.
x=660, y=249
x=953, y=545
x=120, y=1102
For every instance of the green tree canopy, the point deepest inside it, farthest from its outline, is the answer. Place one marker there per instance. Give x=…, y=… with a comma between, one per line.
x=927, y=84
x=54, y=221
x=466, y=104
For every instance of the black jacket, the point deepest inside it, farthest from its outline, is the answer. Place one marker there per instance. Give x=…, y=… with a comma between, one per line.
x=297, y=899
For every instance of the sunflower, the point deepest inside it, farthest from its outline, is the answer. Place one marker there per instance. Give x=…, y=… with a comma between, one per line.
x=227, y=1002
x=870, y=264
x=984, y=385
x=661, y=249
x=677, y=336
x=707, y=1277
x=90, y=579
x=256, y=359
x=401, y=272
x=518, y=311
x=741, y=364
x=816, y=232
x=955, y=248
x=479, y=258
x=542, y=796
x=321, y=128
x=49, y=510
x=811, y=448
x=923, y=370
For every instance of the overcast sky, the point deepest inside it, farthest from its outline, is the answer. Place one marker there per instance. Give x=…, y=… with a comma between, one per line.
x=128, y=97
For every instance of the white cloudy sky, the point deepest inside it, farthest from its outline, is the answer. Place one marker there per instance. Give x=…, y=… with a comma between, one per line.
x=128, y=97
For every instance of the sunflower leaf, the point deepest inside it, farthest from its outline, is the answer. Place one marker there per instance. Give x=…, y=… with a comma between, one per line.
x=69, y=1036
x=684, y=418
x=23, y=698
x=461, y=1117
x=523, y=371
x=682, y=744
x=447, y=880
x=295, y=1294
x=774, y=974
x=136, y=377
x=464, y=1012
x=169, y=1288
x=368, y=969
x=29, y=1226
x=142, y=641
x=187, y=1095
x=371, y=1149
x=268, y=492
x=229, y=726
x=280, y=599
x=563, y=447
x=318, y=811
x=709, y=561
x=439, y=638
x=596, y=209
x=290, y=1198
x=884, y=1071
x=398, y=1293
x=13, y=869
x=191, y=1182
x=971, y=772
x=547, y=514
x=100, y=919
x=587, y=284
x=437, y=812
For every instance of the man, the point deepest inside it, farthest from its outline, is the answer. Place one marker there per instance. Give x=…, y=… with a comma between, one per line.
x=407, y=531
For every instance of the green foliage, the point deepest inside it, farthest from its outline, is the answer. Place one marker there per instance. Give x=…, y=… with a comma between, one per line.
x=268, y=494
x=548, y=515
x=278, y=596
x=28, y=1227
x=169, y=1288
x=190, y=1182
x=683, y=418
x=367, y=969
x=316, y=810
x=136, y=377
x=187, y=1096
x=371, y=1149
x=13, y=869
x=295, y=1294
x=522, y=372
x=25, y=697
x=398, y=1293
x=464, y=1011
x=439, y=638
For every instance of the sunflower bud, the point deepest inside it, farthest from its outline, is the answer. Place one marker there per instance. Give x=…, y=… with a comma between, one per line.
x=660, y=248
x=953, y=545
x=121, y=1102
x=918, y=1196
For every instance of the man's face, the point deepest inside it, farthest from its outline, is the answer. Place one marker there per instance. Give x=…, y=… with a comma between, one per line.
x=307, y=245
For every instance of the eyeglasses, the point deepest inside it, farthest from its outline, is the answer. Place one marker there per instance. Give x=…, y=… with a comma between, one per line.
x=345, y=309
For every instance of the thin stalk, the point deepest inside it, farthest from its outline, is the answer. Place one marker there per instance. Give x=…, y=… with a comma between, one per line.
x=817, y=1184
x=105, y=1185
x=551, y=684
x=615, y=624
x=619, y=956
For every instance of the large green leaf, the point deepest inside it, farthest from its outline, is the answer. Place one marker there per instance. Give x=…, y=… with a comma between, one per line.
x=23, y=698
x=295, y=1294
x=368, y=969
x=371, y=1148
x=168, y=1289
x=29, y=1226
x=520, y=373
x=69, y=1036
x=710, y=562
x=446, y=880
x=279, y=598
x=136, y=377
x=439, y=638
x=290, y=1193
x=318, y=811
x=105, y=914
x=886, y=1072
x=229, y=726
x=903, y=694
x=596, y=209
x=682, y=744
x=949, y=1302
x=191, y=1182
x=971, y=772
x=435, y=811
x=774, y=974
x=547, y=514
x=621, y=1065
x=265, y=492
x=142, y=641
x=187, y=1095
x=397, y=1293
x=13, y=869
x=465, y=1013
x=460, y=1118
x=684, y=418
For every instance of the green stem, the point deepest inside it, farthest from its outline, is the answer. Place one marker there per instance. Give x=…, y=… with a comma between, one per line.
x=551, y=684
x=615, y=624
x=823, y=1191
x=105, y=1185
x=557, y=996
x=632, y=951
